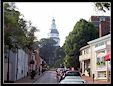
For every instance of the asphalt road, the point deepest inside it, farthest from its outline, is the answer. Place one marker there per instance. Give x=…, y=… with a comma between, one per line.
x=49, y=77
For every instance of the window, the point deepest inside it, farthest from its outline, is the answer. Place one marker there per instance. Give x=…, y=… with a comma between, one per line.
x=99, y=44
x=98, y=59
x=101, y=74
x=87, y=51
x=101, y=51
x=96, y=23
x=84, y=51
x=102, y=18
x=80, y=52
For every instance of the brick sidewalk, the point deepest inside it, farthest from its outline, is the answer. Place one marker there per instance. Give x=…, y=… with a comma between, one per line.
x=89, y=80
x=28, y=79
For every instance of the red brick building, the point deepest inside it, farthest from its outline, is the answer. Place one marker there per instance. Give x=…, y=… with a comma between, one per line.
x=102, y=23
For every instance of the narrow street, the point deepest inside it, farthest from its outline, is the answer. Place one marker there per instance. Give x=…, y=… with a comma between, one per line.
x=48, y=78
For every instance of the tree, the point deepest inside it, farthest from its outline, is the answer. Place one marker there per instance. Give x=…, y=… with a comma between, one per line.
x=83, y=32
x=47, y=49
x=103, y=6
x=58, y=63
x=59, y=57
x=59, y=53
x=67, y=61
x=11, y=18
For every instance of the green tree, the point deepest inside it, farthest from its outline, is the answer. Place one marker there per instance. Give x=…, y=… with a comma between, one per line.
x=15, y=28
x=83, y=32
x=47, y=49
x=57, y=63
x=67, y=61
x=11, y=18
x=103, y=6
x=59, y=53
x=59, y=57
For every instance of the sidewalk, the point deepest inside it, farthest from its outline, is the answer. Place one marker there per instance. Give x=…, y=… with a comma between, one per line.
x=28, y=79
x=89, y=80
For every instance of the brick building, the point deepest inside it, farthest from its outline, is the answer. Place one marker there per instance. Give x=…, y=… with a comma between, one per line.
x=102, y=23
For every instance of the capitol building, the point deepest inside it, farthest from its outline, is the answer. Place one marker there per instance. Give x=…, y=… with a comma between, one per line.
x=53, y=33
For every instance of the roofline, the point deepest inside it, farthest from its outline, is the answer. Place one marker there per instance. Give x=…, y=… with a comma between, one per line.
x=98, y=39
x=84, y=47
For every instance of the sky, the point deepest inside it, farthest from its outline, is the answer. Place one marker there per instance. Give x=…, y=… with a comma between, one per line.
x=66, y=15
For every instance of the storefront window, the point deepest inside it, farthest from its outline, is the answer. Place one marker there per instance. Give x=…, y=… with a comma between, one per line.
x=100, y=61
x=100, y=58
x=101, y=74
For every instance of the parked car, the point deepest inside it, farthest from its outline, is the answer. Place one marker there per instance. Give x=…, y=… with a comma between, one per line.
x=72, y=77
x=72, y=73
x=72, y=81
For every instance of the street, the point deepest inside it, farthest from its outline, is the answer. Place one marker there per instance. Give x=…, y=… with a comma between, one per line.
x=48, y=77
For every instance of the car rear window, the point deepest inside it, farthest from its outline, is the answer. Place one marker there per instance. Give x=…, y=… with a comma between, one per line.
x=72, y=74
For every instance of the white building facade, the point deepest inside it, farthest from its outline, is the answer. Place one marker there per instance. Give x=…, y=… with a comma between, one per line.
x=97, y=49
x=54, y=34
x=18, y=65
x=22, y=65
x=85, y=60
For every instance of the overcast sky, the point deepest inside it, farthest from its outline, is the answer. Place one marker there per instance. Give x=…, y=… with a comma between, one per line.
x=66, y=15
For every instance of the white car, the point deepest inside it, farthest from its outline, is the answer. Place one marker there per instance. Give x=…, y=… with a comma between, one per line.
x=72, y=80
x=72, y=77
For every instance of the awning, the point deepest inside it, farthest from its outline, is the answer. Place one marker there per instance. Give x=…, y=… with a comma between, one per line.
x=107, y=56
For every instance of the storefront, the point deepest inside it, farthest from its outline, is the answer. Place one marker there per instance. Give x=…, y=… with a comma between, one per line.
x=100, y=57
x=101, y=67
